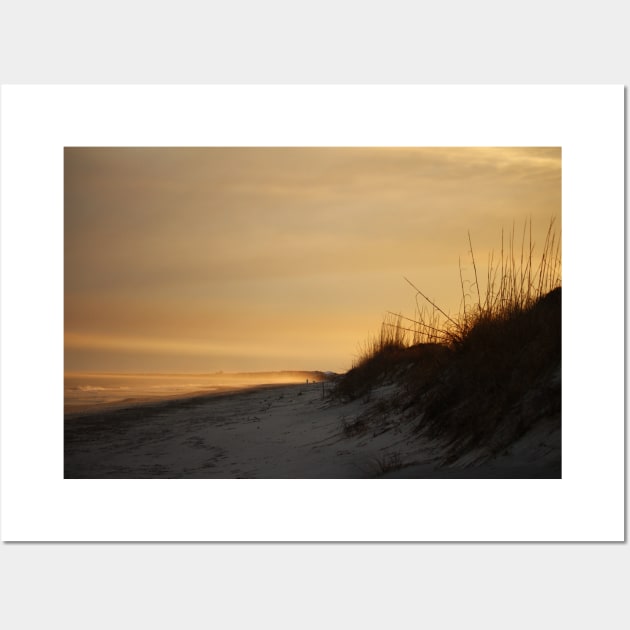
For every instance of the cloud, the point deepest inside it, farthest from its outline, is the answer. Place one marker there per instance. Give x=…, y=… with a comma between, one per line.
x=160, y=241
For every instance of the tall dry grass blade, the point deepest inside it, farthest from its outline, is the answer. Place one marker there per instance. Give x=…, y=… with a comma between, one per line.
x=433, y=304
x=472, y=255
x=461, y=280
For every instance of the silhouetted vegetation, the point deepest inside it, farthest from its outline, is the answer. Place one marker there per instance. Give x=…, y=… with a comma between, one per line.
x=485, y=376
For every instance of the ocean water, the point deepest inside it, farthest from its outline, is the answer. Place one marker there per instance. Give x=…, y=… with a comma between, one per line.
x=83, y=391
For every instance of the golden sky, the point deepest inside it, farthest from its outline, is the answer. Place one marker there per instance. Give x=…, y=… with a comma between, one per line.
x=206, y=259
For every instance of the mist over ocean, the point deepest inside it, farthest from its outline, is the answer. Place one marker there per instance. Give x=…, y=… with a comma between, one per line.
x=84, y=391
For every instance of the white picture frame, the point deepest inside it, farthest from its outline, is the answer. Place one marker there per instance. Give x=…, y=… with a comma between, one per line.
x=38, y=504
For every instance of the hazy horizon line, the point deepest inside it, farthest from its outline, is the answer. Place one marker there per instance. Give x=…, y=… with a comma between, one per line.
x=189, y=373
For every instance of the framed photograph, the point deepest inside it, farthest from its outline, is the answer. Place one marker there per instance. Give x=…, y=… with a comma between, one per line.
x=312, y=313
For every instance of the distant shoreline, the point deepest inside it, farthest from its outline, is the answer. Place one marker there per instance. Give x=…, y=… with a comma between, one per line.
x=88, y=391
x=220, y=373
x=157, y=403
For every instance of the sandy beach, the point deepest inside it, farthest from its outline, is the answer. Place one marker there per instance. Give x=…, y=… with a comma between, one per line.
x=279, y=431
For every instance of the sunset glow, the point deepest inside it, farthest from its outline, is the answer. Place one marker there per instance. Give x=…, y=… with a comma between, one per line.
x=246, y=259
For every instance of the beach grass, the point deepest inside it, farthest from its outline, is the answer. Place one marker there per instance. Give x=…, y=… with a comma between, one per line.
x=483, y=376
